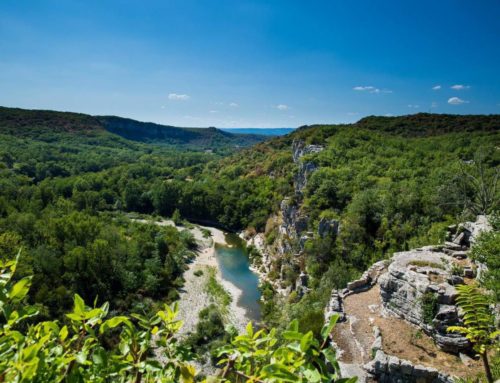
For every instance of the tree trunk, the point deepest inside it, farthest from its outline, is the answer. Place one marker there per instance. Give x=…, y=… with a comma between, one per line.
x=487, y=369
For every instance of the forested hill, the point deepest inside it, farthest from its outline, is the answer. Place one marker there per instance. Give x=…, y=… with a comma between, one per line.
x=28, y=123
x=431, y=124
x=420, y=124
x=151, y=132
x=44, y=123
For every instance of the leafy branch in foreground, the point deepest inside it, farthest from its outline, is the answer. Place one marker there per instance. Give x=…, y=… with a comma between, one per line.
x=51, y=352
x=479, y=324
x=258, y=356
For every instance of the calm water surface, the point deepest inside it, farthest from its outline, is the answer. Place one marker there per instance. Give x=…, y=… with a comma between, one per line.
x=235, y=267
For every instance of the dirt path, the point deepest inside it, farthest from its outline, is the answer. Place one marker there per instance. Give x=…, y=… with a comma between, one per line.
x=355, y=338
x=355, y=335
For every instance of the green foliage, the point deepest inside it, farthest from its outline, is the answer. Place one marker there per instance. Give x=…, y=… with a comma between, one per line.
x=210, y=332
x=457, y=269
x=176, y=217
x=218, y=293
x=487, y=250
x=429, y=305
x=259, y=356
x=94, y=348
x=77, y=352
x=479, y=323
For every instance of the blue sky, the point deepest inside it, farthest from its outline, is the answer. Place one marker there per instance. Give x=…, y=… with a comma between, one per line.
x=251, y=63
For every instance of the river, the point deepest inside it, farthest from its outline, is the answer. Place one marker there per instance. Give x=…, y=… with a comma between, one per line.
x=234, y=266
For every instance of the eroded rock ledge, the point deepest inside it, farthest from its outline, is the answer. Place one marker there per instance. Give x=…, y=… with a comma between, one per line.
x=418, y=288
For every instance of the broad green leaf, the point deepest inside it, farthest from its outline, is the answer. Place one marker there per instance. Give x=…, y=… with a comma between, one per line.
x=20, y=289
x=328, y=328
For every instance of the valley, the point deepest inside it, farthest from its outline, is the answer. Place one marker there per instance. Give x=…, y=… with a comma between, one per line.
x=291, y=228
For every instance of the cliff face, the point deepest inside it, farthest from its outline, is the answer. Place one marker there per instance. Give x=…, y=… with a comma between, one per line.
x=283, y=256
x=411, y=293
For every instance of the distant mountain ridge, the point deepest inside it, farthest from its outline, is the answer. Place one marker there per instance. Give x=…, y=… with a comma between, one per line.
x=31, y=123
x=260, y=131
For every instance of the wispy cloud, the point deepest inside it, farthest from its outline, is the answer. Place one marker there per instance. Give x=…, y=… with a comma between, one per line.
x=178, y=97
x=413, y=106
x=434, y=104
x=460, y=87
x=213, y=111
x=233, y=105
x=364, y=88
x=282, y=107
x=371, y=89
x=456, y=101
x=436, y=87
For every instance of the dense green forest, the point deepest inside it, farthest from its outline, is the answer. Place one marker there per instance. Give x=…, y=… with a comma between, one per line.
x=66, y=183
x=42, y=123
x=69, y=182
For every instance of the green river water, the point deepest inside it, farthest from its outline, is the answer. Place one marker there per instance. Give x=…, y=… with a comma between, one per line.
x=235, y=268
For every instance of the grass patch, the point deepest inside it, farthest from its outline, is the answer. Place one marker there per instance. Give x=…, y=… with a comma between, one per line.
x=434, y=265
x=219, y=294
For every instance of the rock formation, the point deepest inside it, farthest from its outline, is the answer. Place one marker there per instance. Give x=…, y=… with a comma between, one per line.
x=292, y=228
x=416, y=286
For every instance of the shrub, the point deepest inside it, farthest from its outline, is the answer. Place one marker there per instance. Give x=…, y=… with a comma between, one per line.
x=429, y=305
x=457, y=269
x=198, y=273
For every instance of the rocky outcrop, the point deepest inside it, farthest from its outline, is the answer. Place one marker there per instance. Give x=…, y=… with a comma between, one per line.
x=293, y=221
x=390, y=369
x=418, y=286
x=303, y=172
x=305, y=168
x=465, y=234
x=300, y=149
x=414, y=277
x=328, y=227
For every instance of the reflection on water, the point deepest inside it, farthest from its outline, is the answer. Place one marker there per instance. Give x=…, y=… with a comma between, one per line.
x=235, y=268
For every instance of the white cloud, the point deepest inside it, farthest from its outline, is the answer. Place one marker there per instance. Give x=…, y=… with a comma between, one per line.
x=233, y=105
x=371, y=89
x=178, y=97
x=413, y=106
x=457, y=101
x=213, y=111
x=364, y=88
x=460, y=87
x=436, y=87
x=282, y=107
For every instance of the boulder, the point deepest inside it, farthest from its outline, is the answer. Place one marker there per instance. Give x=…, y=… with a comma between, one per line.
x=469, y=272
x=455, y=280
x=459, y=254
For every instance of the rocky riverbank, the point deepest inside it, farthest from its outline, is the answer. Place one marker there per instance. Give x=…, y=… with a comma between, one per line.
x=194, y=296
